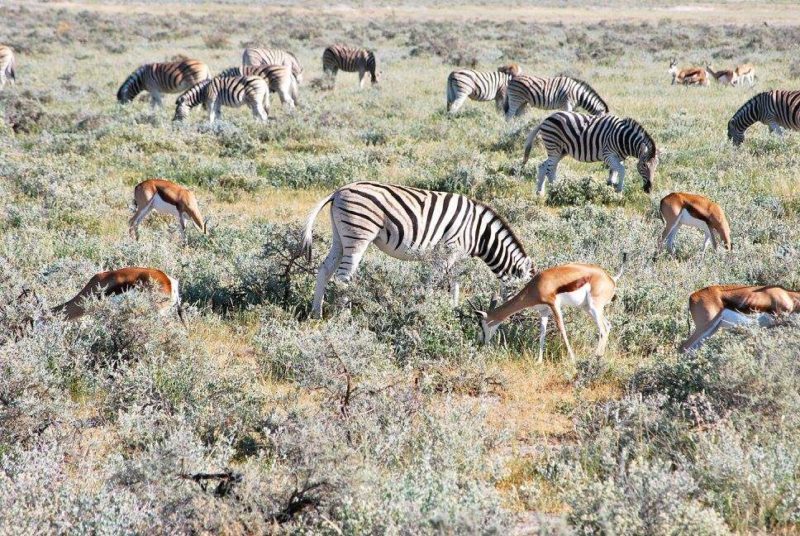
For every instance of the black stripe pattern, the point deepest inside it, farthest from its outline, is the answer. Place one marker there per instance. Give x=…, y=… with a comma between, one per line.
x=595, y=138
x=350, y=60
x=158, y=78
x=279, y=77
x=233, y=91
x=478, y=86
x=778, y=109
x=257, y=57
x=558, y=93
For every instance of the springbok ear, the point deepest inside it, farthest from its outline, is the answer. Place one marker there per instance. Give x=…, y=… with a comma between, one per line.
x=494, y=302
x=481, y=314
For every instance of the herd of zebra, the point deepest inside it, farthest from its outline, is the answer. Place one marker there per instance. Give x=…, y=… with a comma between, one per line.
x=411, y=223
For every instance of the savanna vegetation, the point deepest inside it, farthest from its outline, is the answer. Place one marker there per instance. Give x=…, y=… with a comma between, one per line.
x=386, y=416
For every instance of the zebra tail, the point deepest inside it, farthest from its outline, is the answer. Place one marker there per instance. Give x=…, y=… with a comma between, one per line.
x=529, y=143
x=621, y=267
x=308, y=237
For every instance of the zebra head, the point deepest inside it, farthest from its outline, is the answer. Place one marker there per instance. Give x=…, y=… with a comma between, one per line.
x=648, y=161
x=735, y=134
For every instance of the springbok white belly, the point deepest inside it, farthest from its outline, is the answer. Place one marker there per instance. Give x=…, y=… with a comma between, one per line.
x=159, y=205
x=691, y=221
x=731, y=319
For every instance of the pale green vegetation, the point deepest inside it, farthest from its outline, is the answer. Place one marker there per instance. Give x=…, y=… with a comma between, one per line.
x=387, y=416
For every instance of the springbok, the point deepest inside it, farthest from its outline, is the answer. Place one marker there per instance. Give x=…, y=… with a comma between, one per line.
x=745, y=71
x=726, y=77
x=727, y=306
x=116, y=282
x=168, y=198
x=679, y=208
x=691, y=76
x=578, y=285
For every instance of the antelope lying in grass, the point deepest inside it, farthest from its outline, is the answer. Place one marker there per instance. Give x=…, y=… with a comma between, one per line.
x=116, y=282
x=578, y=285
x=726, y=77
x=743, y=72
x=680, y=208
x=691, y=76
x=168, y=198
x=726, y=306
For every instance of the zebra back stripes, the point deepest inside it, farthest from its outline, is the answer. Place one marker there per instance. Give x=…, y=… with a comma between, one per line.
x=558, y=93
x=777, y=109
x=594, y=138
x=233, y=91
x=279, y=77
x=272, y=56
x=350, y=60
x=158, y=78
x=7, y=65
x=479, y=86
x=409, y=223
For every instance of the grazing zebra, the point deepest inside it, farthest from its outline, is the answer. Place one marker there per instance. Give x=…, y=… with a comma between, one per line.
x=350, y=60
x=409, y=224
x=279, y=77
x=559, y=93
x=479, y=86
x=256, y=57
x=7, y=64
x=594, y=138
x=158, y=78
x=233, y=91
x=778, y=109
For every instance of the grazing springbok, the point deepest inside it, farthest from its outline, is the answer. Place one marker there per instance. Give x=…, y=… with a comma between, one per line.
x=726, y=306
x=578, y=285
x=116, y=282
x=743, y=72
x=691, y=76
x=168, y=198
x=726, y=77
x=679, y=208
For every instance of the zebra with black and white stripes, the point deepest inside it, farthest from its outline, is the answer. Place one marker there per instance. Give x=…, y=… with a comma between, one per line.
x=159, y=78
x=411, y=224
x=479, y=86
x=233, y=91
x=557, y=93
x=8, y=65
x=279, y=77
x=778, y=109
x=256, y=57
x=350, y=60
x=594, y=138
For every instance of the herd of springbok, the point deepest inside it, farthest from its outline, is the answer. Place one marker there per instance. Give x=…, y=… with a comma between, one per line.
x=409, y=222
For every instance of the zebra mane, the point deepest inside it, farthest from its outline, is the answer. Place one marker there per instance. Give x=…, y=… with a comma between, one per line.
x=135, y=76
x=515, y=239
x=194, y=95
x=651, y=144
x=585, y=85
x=231, y=71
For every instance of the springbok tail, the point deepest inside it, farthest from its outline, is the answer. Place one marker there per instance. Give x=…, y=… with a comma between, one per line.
x=309, y=228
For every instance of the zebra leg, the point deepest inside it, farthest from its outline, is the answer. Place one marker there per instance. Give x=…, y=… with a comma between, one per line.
x=457, y=103
x=569, y=106
x=2, y=81
x=613, y=164
x=155, y=99
x=543, y=171
x=326, y=270
x=774, y=128
x=259, y=109
x=361, y=77
x=455, y=291
x=552, y=169
x=620, y=172
x=351, y=258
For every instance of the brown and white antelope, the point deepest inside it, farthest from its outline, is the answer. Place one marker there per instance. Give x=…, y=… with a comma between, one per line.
x=726, y=306
x=743, y=72
x=726, y=77
x=116, y=282
x=578, y=285
x=679, y=208
x=168, y=198
x=691, y=76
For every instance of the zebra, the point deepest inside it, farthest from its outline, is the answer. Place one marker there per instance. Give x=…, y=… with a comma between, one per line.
x=350, y=60
x=231, y=91
x=479, y=86
x=7, y=65
x=778, y=109
x=410, y=224
x=558, y=93
x=256, y=57
x=158, y=78
x=594, y=138
x=279, y=77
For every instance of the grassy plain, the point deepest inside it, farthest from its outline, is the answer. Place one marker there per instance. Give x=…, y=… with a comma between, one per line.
x=387, y=417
